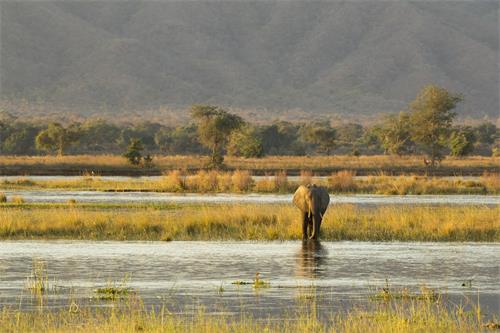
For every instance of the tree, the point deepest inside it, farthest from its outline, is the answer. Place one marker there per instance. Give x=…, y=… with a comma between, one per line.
x=20, y=141
x=280, y=138
x=134, y=151
x=57, y=138
x=98, y=135
x=486, y=133
x=245, y=142
x=349, y=137
x=431, y=118
x=462, y=142
x=320, y=134
x=394, y=134
x=214, y=127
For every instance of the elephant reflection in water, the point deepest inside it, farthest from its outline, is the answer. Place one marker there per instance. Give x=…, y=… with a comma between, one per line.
x=310, y=259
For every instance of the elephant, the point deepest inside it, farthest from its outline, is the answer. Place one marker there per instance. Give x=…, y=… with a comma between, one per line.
x=312, y=201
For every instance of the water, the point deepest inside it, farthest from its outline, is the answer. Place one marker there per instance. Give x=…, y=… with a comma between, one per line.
x=186, y=275
x=155, y=178
x=122, y=197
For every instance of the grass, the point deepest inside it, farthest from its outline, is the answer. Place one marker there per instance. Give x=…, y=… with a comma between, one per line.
x=362, y=165
x=38, y=281
x=387, y=294
x=245, y=222
x=133, y=316
x=241, y=182
x=114, y=291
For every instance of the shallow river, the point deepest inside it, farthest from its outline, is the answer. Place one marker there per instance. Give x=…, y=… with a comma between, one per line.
x=116, y=197
x=186, y=275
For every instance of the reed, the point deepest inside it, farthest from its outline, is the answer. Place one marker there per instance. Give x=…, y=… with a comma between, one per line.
x=115, y=164
x=342, y=181
x=133, y=316
x=247, y=222
x=17, y=199
x=240, y=181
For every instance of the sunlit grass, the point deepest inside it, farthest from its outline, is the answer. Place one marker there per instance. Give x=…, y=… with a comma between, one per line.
x=246, y=222
x=81, y=164
x=239, y=181
x=133, y=316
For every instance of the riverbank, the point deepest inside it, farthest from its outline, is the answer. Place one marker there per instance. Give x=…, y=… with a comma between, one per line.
x=321, y=165
x=245, y=222
x=345, y=182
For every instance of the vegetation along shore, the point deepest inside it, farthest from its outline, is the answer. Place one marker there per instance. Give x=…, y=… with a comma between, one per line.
x=179, y=181
x=132, y=316
x=116, y=165
x=169, y=222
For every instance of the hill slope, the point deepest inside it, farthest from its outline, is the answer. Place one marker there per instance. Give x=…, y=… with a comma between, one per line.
x=354, y=57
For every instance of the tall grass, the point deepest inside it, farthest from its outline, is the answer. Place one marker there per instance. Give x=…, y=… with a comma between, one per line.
x=133, y=316
x=101, y=164
x=249, y=222
x=344, y=181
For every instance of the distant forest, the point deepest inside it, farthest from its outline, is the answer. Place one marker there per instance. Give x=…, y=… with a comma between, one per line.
x=97, y=136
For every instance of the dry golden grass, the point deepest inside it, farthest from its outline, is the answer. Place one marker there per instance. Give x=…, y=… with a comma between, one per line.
x=248, y=222
x=133, y=316
x=241, y=181
x=326, y=164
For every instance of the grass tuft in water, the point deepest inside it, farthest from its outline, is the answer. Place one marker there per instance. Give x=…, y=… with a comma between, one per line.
x=38, y=280
x=114, y=291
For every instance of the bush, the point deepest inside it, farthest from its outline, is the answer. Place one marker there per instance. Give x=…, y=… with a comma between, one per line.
x=342, y=181
x=3, y=198
x=17, y=199
x=242, y=181
x=174, y=180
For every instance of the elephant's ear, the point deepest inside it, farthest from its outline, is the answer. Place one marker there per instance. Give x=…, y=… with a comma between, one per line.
x=299, y=198
x=325, y=199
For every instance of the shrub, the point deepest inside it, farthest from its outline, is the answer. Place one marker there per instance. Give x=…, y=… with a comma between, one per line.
x=342, y=181
x=174, y=180
x=242, y=181
x=17, y=199
x=3, y=198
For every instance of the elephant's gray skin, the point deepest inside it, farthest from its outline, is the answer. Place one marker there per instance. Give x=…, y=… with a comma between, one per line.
x=312, y=201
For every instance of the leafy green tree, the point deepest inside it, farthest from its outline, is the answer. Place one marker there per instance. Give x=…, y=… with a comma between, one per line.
x=281, y=138
x=20, y=140
x=214, y=127
x=179, y=140
x=322, y=135
x=98, y=135
x=349, y=137
x=144, y=131
x=134, y=151
x=431, y=119
x=462, y=142
x=394, y=134
x=370, y=141
x=57, y=138
x=245, y=142
x=486, y=133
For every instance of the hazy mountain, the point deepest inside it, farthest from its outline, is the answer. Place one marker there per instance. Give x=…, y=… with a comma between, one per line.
x=355, y=57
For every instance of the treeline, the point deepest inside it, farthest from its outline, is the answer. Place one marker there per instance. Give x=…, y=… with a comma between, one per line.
x=426, y=128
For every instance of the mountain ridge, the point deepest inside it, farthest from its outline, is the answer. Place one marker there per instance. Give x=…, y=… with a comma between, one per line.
x=321, y=57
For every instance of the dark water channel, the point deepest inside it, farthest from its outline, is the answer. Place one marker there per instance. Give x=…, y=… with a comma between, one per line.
x=187, y=275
